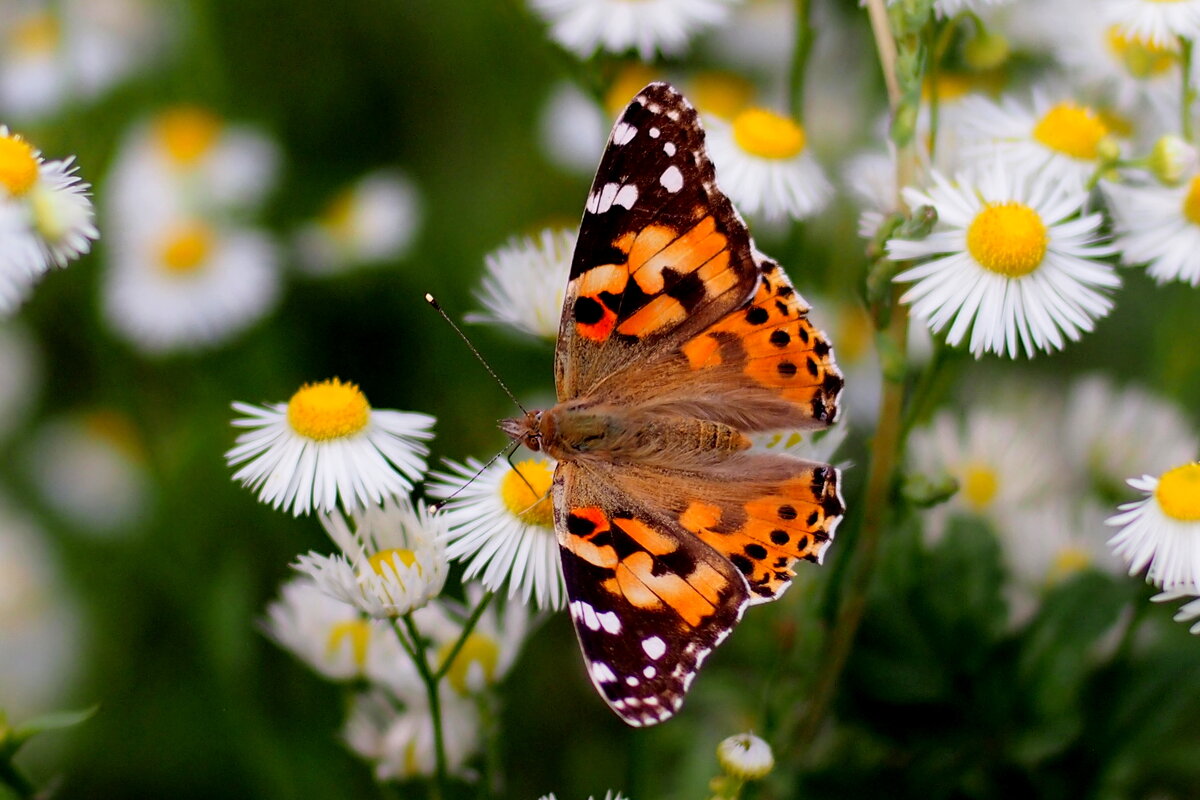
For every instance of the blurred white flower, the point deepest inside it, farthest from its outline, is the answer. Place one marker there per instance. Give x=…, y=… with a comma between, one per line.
x=40, y=625
x=1056, y=539
x=334, y=638
x=392, y=561
x=1159, y=22
x=1161, y=532
x=54, y=53
x=765, y=166
x=1111, y=432
x=90, y=469
x=572, y=129
x=647, y=26
x=398, y=740
x=1189, y=611
x=372, y=221
x=1012, y=260
x=189, y=285
x=502, y=525
x=327, y=445
x=525, y=281
x=1158, y=226
x=1060, y=140
x=20, y=375
x=745, y=756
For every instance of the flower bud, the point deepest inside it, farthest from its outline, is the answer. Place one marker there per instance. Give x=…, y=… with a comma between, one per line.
x=745, y=757
x=1172, y=158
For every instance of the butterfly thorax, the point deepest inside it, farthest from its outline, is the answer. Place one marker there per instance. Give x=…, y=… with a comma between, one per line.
x=584, y=430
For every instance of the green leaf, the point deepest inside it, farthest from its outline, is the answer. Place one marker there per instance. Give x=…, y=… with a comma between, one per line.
x=55, y=720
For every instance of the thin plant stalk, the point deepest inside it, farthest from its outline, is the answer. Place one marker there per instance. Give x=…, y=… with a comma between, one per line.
x=1188, y=90
x=468, y=627
x=410, y=639
x=804, y=43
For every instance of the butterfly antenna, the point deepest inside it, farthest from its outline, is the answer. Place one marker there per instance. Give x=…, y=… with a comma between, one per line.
x=438, y=308
x=508, y=448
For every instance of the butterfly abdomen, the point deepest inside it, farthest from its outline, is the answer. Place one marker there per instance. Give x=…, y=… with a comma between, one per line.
x=616, y=435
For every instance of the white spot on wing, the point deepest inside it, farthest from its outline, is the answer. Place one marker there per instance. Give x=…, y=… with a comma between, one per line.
x=669, y=148
x=632, y=681
x=654, y=647
x=650, y=672
x=671, y=179
x=588, y=615
x=623, y=195
x=627, y=196
x=602, y=673
x=654, y=133
x=609, y=621
x=623, y=133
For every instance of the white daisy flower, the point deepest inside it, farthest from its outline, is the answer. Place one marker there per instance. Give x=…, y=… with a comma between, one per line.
x=871, y=179
x=39, y=618
x=1000, y=465
x=1159, y=226
x=1161, y=532
x=1160, y=22
x=1011, y=260
x=90, y=469
x=21, y=368
x=572, y=129
x=190, y=285
x=1054, y=540
x=647, y=26
x=327, y=445
x=392, y=562
x=502, y=525
x=819, y=446
x=764, y=164
x=1064, y=138
x=372, y=221
x=1110, y=432
x=745, y=756
x=525, y=281
x=333, y=637
x=399, y=741
x=1188, y=611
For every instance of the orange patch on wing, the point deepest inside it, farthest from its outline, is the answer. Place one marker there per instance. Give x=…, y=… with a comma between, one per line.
x=610, y=278
x=700, y=515
x=582, y=546
x=702, y=351
x=648, y=243
x=672, y=589
x=687, y=253
x=634, y=590
x=708, y=582
x=601, y=329
x=659, y=313
x=654, y=541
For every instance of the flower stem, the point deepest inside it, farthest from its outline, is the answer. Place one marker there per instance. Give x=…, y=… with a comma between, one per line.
x=12, y=778
x=415, y=646
x=1188, y=91
x=448, y=661
x=804, y=42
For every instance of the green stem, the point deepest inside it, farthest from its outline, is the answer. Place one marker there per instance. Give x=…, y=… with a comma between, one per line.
x=945, y=37
x=804, y=43
x=1188, y=92
x=448, y=661
x=415, y=646
x=11, y=777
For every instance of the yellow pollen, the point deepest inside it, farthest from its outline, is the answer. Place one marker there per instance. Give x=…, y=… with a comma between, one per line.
x=767, y=134
x=356, y=632
x=979, y=486
x=1142, y=58
x=1071, y=129
x=721, y=94
x=18, y=164
x=1191, y=201
x=37, y=33
x=377, y=561
x=631, y=80
x=525, y=491
x=187, y=133
x=328, y=410
x=186, y=248
x=477, y=649
x=1067, y=562
x=1178, y=493
x=1008, y=239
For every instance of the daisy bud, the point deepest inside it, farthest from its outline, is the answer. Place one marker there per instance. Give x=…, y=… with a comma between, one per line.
x=1172, y=158
x=745, y=757
x=986, y=51
x=1108, y=150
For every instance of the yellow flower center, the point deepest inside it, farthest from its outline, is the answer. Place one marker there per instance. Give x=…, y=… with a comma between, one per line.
x=186, y=249
x=377, y=561
x=1008, y=239
x=1178, y=493
x=328, y=410
x=631, y=80
x=356, y=632
x=18, y=164
x=721, y=94
x=525, y=491
x=1191, y=201
x=1067, y=562
x=37, y=33
x=338, y=216
x=187, y=133
x=855, y=332
x=477, y=649
x=116, y=429
x=979, y=486
x=1142, y=58
x=767, y=134
x=1071, y=129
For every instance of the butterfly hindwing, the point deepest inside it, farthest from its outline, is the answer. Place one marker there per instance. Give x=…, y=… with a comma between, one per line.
x=661, y=252
x=649, y=601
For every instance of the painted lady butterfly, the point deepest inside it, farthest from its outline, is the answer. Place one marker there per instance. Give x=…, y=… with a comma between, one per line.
x=677, y=339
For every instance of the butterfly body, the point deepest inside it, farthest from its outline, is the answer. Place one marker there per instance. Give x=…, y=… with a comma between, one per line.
x=678, y=341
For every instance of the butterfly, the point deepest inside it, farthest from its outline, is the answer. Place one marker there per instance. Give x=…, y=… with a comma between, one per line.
x=677, y=340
